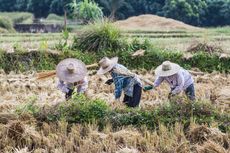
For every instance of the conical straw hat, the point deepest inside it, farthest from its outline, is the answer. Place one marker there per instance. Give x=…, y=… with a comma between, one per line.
x=167, y=68
x=71, y=70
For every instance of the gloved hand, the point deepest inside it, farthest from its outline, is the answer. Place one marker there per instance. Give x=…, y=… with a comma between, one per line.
x=146, y=88
x=171, y=95
x=109, y=82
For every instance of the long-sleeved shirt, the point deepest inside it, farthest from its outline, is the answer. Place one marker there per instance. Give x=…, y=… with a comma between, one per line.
x=81, y=86
x=123, y=82
x=178, y=82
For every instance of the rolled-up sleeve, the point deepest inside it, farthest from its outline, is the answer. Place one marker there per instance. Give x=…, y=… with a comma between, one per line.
x=83, y=86
x=158, y=81
x=180, y=84
x=118, y=88
x=61, y=86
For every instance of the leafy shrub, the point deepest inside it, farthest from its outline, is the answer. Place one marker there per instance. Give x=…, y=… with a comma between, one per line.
x=99, y=36
x=6, y=24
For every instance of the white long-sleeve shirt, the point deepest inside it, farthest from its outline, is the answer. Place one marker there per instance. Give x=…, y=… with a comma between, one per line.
x=178, y=82
x=81, y=86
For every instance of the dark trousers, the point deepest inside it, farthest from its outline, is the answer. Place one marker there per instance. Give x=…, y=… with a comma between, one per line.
x=190, y=92
x=68, y=95
x=135, y=100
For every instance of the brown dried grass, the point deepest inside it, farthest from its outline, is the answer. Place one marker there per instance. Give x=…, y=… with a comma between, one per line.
x=18, y=88
x=18, y=136
x=152, y=22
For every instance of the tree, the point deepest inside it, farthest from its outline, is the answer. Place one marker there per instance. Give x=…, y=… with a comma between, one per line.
x=214, y=15
x=88, y=11
x=21, y=5
x=188, y=11
x=225, y=11
x=7, y=5
x=40, y=8
x=112, y=7
x=57, y=7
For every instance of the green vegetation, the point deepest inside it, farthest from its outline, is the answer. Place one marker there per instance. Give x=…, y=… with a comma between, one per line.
x=89, y=11
x=83, y=110
x=6, y=24
x=100, y=36
x=26, y=61
x=18, y=17
x=200, y=13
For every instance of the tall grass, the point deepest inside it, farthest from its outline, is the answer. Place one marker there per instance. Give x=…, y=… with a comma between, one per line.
x=99, y=36
x=18, y=17
x=6, y=24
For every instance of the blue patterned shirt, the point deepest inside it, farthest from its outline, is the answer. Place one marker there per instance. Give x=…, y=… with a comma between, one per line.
x=123, y=82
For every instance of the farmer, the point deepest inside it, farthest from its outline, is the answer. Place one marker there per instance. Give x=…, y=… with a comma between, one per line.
x=72, y=74
x=123, y=79
x=178, y=78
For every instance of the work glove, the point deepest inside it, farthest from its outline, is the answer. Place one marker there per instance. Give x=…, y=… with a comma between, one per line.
x=146, y=88
x=109, y=82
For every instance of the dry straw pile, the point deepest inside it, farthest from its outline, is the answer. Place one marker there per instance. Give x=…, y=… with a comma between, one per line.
x=152, y=22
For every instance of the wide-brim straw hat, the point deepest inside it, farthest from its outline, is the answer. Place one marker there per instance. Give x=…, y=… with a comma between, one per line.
x=71, y=70
x=106, y=65
x=167, y=68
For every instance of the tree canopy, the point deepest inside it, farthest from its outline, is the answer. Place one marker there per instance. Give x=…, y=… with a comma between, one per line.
x=195, y=12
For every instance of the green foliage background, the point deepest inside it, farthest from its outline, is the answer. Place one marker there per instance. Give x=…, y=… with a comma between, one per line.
x=195, y=12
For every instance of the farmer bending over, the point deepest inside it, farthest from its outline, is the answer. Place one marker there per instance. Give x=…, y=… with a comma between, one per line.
x=72, y=74
x=123, y=80
x=178, y=78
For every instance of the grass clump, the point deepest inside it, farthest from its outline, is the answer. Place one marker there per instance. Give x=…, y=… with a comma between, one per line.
x=99, y=36
x=6, y=24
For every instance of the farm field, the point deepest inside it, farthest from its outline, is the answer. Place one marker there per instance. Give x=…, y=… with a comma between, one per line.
x=34, y=116
x=177, y=40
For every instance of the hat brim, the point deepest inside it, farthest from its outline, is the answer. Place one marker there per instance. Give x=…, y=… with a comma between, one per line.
x=79, y=73
x=102, y=71
x=175, y=69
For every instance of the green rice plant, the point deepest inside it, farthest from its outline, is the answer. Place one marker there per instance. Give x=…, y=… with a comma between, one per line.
x=99, y=36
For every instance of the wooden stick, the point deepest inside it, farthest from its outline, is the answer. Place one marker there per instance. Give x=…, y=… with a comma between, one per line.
x=52, y=73
x=147, y=81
